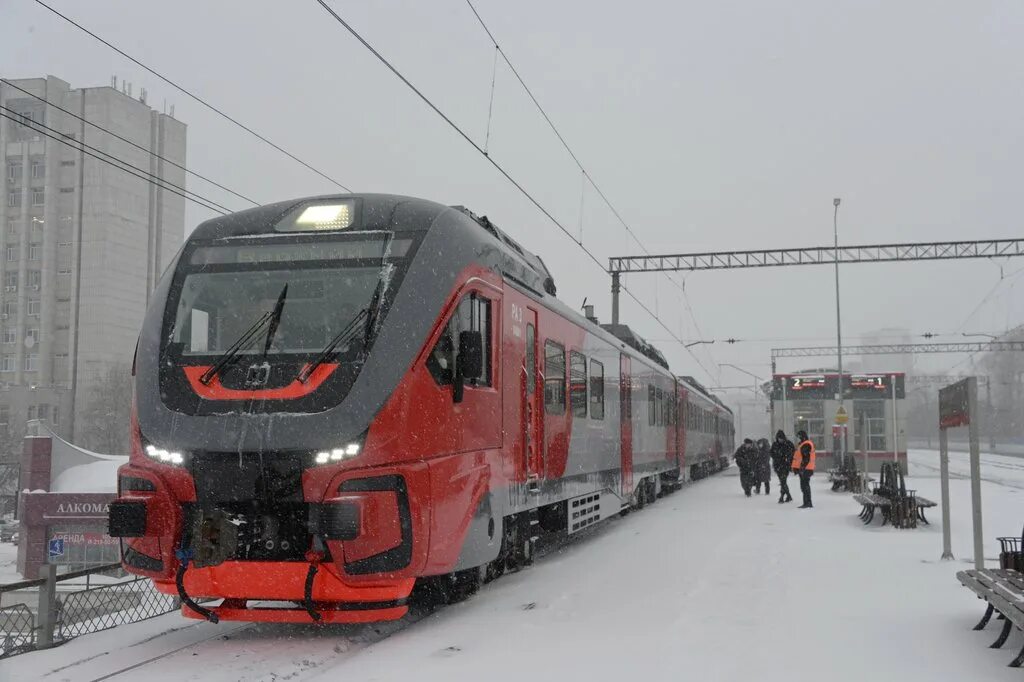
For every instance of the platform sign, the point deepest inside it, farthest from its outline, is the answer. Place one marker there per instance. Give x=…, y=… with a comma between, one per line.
x=958, y=405
x=55, y=548
x=953, y=405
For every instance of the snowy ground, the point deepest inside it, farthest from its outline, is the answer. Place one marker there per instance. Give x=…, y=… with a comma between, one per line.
x=704, y=585
x=9, y=563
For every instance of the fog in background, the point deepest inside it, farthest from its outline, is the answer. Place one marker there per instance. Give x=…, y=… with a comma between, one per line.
x=710, y=126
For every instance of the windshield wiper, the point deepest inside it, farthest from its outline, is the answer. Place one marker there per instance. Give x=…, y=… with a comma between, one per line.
x=275, y=319
x=343, y=337
x=244, y=341
x=383, y=275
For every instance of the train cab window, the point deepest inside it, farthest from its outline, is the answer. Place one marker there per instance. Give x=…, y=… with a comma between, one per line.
x=596, y=390
x=650, y=405
x=578, y=384
x=472, y=314
x=554, y=378
x=531, y=359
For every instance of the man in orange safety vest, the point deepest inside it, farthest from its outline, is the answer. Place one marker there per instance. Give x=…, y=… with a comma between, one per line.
x=803, y=465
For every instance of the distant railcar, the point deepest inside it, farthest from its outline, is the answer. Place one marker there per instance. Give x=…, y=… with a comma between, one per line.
x=340, y=400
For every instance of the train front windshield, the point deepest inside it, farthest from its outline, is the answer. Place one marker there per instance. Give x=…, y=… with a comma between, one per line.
x=313, y=287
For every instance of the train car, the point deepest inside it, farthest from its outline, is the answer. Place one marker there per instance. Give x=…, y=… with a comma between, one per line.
x=708, y=428
x=344, y=401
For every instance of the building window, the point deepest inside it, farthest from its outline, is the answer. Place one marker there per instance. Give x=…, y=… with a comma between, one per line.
x=38, y=170
x=44, y=412
x=10, y=308
x=31, y=363
x=554, y=378
x=869, y=423
x=13, y=199
x=31, y=412
x=12, y=253
x=35, y=279
x=5, y=419
x=67, y=164
x=67, y=190
x=472, y=314
x=38, y=196
x=11, y=280
x=809, y=416
x=56, y=415
x=14, y=172
x=7, y=363
x=32, y=337
x=578, y=384
x=60, y=367
x=596, y=390
x=33, y=307
x=34, y=250
x=10, y=336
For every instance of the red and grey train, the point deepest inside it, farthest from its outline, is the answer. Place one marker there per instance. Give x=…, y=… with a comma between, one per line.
x=340, y=400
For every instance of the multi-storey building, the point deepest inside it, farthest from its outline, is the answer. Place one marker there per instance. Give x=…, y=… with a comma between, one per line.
x=82, y=243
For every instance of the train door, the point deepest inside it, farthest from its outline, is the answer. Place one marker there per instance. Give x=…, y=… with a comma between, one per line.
x=626, y=425
x=532, y=411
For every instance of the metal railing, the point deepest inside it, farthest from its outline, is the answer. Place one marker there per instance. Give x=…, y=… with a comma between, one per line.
x=61, y=615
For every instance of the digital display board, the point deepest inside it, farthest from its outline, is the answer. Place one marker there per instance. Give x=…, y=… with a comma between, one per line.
x=826, y=386
x=233, y=254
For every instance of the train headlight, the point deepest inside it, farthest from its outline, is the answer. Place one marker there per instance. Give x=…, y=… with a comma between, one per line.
x=338, y=454
x=164, y=456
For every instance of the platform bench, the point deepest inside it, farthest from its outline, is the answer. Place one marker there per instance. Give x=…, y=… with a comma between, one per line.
x=871, y=503
x=1003, y=590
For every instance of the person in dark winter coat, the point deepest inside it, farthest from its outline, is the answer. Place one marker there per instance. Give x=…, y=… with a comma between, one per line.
x=782, y=461
x=746, y=460
x=763, y=470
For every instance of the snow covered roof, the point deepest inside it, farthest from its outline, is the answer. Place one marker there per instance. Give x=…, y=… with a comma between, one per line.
x=77, y=470
x=97, y=477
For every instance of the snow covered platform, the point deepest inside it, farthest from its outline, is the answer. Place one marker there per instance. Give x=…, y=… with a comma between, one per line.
x=706, y=584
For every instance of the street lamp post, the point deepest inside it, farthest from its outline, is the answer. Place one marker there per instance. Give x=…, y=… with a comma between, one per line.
x=841, y=448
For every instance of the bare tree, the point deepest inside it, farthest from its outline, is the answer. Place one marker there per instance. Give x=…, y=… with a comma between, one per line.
x=103, y=424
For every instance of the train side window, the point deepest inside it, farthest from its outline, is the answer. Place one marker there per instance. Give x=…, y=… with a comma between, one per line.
x=554, y=378
x=596, y=390
x=650, y=405
x=531, y=359
x=472, y=314
x=659, y=407
x=578, y=384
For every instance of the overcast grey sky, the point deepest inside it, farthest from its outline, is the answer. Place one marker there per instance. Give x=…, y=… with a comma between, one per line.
x=710, y=125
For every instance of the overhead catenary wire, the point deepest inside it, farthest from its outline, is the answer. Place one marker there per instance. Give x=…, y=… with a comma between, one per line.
x=77, y=145
x=515, y=183
x=589, y=178
x=196, y=98
x=82, y=146
x=130, y=142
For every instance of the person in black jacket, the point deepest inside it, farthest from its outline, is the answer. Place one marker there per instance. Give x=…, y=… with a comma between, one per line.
x=763, y=470
x=782, y=461
x=746, y=460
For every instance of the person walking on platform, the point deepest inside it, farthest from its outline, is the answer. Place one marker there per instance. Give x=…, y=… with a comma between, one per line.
x=781, y=454
x=803, y=464
x=746, y=460
x=763, y=470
